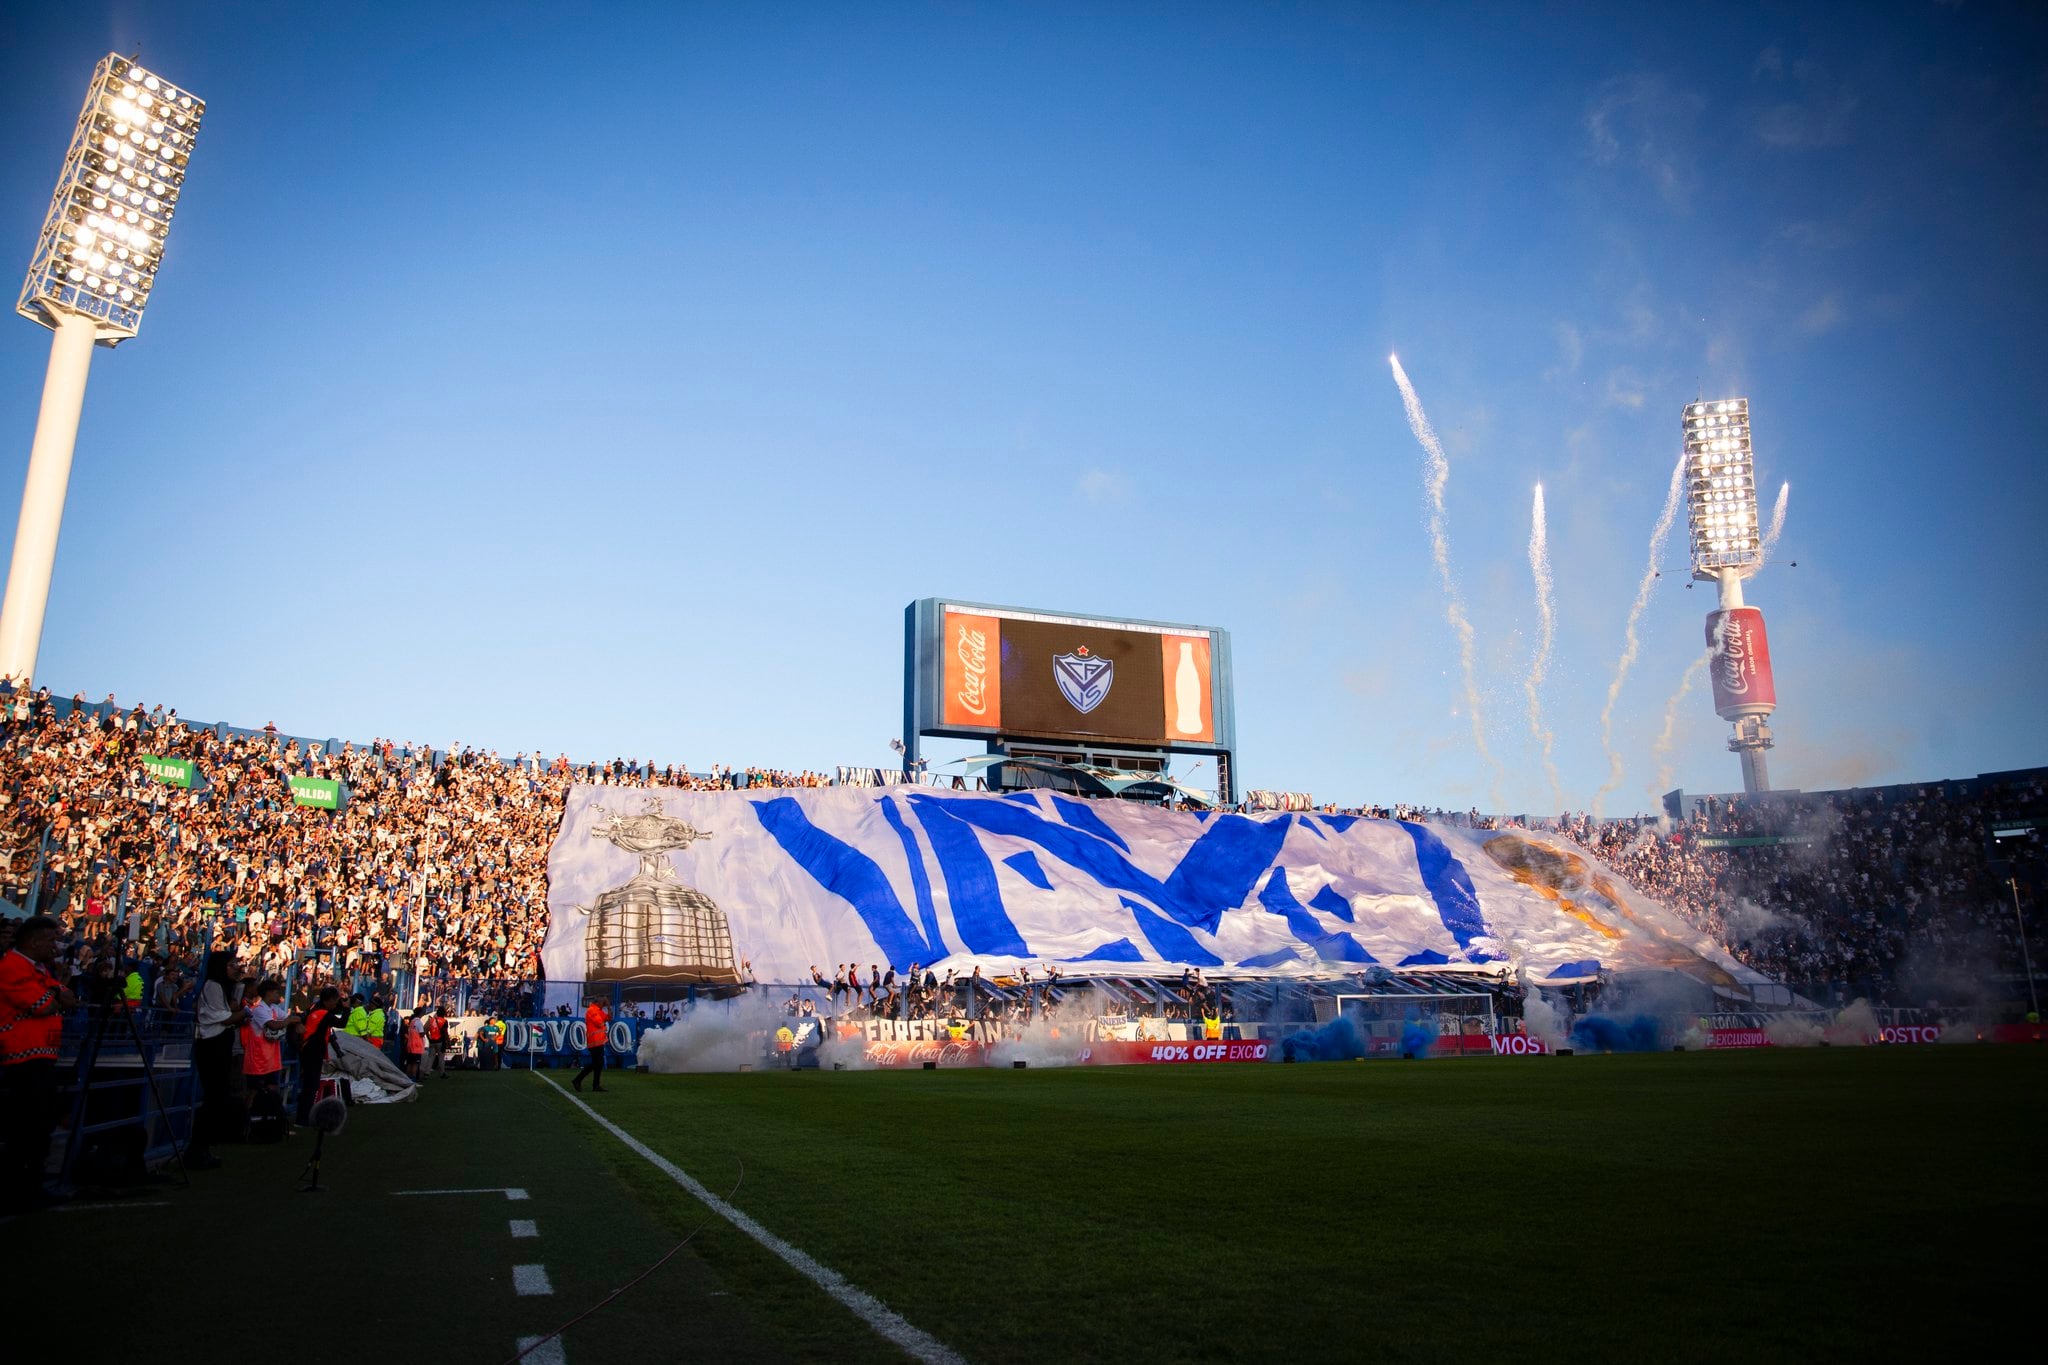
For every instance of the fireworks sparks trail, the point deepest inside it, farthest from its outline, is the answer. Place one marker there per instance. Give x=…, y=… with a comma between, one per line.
x=1631, y=646
x=1546, y=633
x=1696, y=670
x=1777, y=519
x=1437, y=474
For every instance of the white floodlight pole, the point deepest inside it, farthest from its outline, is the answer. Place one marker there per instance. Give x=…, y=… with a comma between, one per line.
x=90, y=278
x=1727, y=547
x=42, y=498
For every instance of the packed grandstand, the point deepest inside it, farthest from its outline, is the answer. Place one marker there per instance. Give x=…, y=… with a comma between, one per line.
x=433, y=875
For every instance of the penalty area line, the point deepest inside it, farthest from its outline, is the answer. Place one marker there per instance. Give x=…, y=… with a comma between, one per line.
x=886, y=1321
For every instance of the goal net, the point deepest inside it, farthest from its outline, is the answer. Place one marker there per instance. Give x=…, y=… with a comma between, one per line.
x=1422, y=1025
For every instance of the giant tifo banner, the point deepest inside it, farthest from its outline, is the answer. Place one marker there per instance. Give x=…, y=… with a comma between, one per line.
x=661, y=885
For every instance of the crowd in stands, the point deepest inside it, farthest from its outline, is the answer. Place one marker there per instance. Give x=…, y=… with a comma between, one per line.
x=1886, y=892
x=436, y=863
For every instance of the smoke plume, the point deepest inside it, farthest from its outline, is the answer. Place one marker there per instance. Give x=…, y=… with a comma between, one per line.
x=1631, y=645
x=1668, y=736
x=1777, y=519
x=713, y=1036
x=1546, y=634
x=1437, y=472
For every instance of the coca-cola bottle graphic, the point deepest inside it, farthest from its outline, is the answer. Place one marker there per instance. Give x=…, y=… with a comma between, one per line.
x=1187, y=693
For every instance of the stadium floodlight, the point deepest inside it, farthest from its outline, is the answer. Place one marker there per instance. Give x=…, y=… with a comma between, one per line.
x=1720, y=477
x=1727, y=547
x=94, y=268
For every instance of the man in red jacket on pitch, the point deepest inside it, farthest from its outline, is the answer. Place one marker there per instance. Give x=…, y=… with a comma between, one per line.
x=595, y=1023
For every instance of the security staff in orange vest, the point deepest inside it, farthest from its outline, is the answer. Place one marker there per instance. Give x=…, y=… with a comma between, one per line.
x=32, y=1002
x=595, y=1021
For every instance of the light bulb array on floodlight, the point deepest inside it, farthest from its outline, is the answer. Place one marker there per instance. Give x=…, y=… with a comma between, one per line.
x=103, y=240
x=1720, y=480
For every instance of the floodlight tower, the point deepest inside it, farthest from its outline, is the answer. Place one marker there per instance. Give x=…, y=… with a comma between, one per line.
x=90, y=278
x=1727, y=547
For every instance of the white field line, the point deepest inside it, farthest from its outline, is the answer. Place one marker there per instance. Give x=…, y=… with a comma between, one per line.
x=525, y=1227
x=531, y=1279
x=886, y=1321
x=509, y=1193
x=97, y=1208
x=548, y=1352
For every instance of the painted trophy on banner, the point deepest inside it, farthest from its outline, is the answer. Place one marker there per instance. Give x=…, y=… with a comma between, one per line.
x=654, y=928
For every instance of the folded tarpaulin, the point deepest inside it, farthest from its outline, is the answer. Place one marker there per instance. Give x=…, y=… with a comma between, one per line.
x=372, y=1077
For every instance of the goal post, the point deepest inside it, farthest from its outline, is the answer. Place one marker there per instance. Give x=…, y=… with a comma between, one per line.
x=1445, y=1025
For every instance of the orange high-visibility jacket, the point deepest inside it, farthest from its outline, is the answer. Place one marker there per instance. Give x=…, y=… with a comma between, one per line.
x=30, y=1020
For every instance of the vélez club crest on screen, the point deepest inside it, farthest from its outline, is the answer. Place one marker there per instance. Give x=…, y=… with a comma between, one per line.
x=1084, y=678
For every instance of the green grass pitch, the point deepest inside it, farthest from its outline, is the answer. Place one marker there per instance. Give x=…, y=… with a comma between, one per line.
x=1879, y=1203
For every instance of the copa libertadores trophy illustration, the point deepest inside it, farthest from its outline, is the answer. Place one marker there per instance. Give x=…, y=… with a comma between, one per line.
x=654, y=928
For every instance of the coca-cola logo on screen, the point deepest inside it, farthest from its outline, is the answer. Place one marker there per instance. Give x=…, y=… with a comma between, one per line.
x=971, y=648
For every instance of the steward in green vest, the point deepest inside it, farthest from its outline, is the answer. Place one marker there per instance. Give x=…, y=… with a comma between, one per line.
x=131, y=989
x=375, y=1031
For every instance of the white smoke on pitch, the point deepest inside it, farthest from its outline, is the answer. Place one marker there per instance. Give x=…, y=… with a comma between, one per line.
x=1855, y=1026
x=1793, y=1030
x=1545, y=1020
x=1437, y=472
x=1777, y=519
x=714, y=1036
x=1631, y=645
x=1546, y=635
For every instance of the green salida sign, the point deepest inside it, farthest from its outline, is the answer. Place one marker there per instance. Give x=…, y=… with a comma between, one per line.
x=172, y=772
x=320, y=792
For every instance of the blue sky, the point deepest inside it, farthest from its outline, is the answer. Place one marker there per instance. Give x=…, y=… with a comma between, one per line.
x=606, y=380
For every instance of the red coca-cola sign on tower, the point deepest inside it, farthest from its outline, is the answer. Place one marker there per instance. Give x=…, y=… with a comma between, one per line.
x=1740, y=664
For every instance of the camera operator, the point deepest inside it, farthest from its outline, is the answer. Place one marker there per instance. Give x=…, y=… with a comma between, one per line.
x=32, y=1002
x=213, y=1053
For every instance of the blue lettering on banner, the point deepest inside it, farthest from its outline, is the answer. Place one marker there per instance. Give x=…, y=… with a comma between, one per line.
x=1331, y=901
x=1082, y=816
x=1450, y=886
x=1026, y=866
x=1168, y=939
x=852, y=875
x=1278, y=897
x=1123, y=950
x=1218, y=871
x=978, y=913
x=920, y=883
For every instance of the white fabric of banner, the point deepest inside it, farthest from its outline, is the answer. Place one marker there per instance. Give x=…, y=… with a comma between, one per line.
x=902, y=874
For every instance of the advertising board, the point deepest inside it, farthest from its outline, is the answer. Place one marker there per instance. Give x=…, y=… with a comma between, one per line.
x=1741, y=669
x=1008, y=671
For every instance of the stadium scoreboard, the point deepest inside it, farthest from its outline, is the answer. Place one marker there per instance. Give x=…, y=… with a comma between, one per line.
x=1070, y=680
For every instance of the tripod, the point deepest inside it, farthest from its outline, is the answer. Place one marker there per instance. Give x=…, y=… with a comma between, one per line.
x=329, y=1114
x=102, y=1015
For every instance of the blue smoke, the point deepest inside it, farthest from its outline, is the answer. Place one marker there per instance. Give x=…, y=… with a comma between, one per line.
x=1416, y=1040
x=1336, y=1041
x=1619, y=1033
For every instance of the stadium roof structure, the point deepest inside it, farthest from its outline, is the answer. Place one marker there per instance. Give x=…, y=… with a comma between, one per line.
x=1113, y=782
